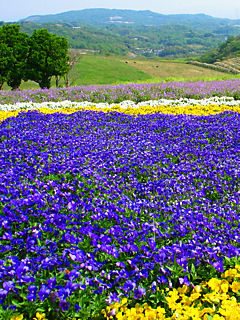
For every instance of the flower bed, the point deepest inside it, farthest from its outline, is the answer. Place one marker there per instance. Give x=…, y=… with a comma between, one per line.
x=137, y=209
x=135, y=92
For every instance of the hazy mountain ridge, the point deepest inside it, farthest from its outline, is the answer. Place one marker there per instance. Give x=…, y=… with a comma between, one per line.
x=101, y=16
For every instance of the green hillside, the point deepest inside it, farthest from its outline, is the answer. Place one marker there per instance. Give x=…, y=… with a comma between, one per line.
x=105, y=70
x=227, y=50
x=171, y=41
x=143, y=32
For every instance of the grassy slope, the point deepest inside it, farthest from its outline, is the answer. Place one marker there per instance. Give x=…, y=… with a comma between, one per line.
x=170, y=69
x=103, y=70
x=94, y=69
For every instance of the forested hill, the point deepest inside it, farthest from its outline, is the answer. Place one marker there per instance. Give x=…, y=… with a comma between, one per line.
x=227, y=50
x=138, y=18
x=146, y=33
x=163, y=41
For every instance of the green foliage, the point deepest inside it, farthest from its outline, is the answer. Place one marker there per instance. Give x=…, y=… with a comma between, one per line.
x=13, y=52
x=173, y=40
x=47, y=57
x=37, y=58
x=228, y=49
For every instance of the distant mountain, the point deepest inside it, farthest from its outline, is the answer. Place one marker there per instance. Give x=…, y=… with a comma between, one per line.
x=99, y=17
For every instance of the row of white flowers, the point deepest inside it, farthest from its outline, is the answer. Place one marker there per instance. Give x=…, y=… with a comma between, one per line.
x=229, y=101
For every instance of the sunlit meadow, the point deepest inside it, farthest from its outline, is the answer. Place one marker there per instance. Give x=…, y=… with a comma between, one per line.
x=120, y=202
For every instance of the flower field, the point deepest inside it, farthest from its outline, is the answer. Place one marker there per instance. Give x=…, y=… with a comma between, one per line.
x=122, y=92
x=115, y=209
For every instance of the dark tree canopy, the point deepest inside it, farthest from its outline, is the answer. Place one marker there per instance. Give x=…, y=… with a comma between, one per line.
x=13, y=53
x=47, y=57
x=37, y=58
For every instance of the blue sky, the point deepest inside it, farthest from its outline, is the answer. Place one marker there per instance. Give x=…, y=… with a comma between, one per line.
x=13, y=10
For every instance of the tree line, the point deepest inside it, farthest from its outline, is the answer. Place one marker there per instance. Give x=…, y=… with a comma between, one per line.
x=37, y=57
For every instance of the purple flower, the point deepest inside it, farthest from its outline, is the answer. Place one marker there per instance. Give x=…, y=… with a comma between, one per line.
x=3, y=294
x=9, y=285
x=44, y=292
x=129, y=286
x=184, y=280
x=31, y=297
x=52, y=282
x=32, y=289
x=64, y=305
x=113, y=297
x=77, y=308
x=162, y=279
x=139, y=292
x=64, y=293
x=154, y=286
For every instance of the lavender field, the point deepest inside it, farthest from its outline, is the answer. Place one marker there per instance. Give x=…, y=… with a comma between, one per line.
x=106, y=215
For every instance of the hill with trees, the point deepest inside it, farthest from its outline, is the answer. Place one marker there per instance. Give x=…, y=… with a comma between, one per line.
x=225, y=57
x=147, y=33
x=131, y=32
x=227, y=50
x=101, y=16
x=163, y=41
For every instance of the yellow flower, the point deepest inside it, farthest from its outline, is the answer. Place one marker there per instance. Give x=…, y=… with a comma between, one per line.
x=229, y=273
x=224, y=286
x=124, y=301
x=40, y=316
x=17, y=317
x=212, y=297
x=218, y=317
x=161, y=310
x=235, y=286
x=120, y=316
x=150, y=315
x=194, y=296
x=186, y=301
x=171, y=300
x=184, y=289
x=214, y=284
x=206, y=310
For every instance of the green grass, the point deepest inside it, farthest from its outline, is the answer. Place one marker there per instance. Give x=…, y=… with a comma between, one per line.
x=105, y=70
x=96, y=69
x=163, y=69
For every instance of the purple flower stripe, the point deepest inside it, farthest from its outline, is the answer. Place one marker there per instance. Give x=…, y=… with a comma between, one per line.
x=103, y=202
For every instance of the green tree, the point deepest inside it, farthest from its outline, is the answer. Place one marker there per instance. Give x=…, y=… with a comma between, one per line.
x=4, y=61
x=47, y=57
x=13, y=53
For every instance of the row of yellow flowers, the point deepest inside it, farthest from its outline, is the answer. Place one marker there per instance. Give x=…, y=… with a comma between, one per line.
x=217, y=299
x=197, y=110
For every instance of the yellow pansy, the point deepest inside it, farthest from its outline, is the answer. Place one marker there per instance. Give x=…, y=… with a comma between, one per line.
x=218, y=317
x=17, y=317
x=184, y=289
x=235, y=286
x=214, y=284
x=224, y=286
x=40, y=316
x=229, y=273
